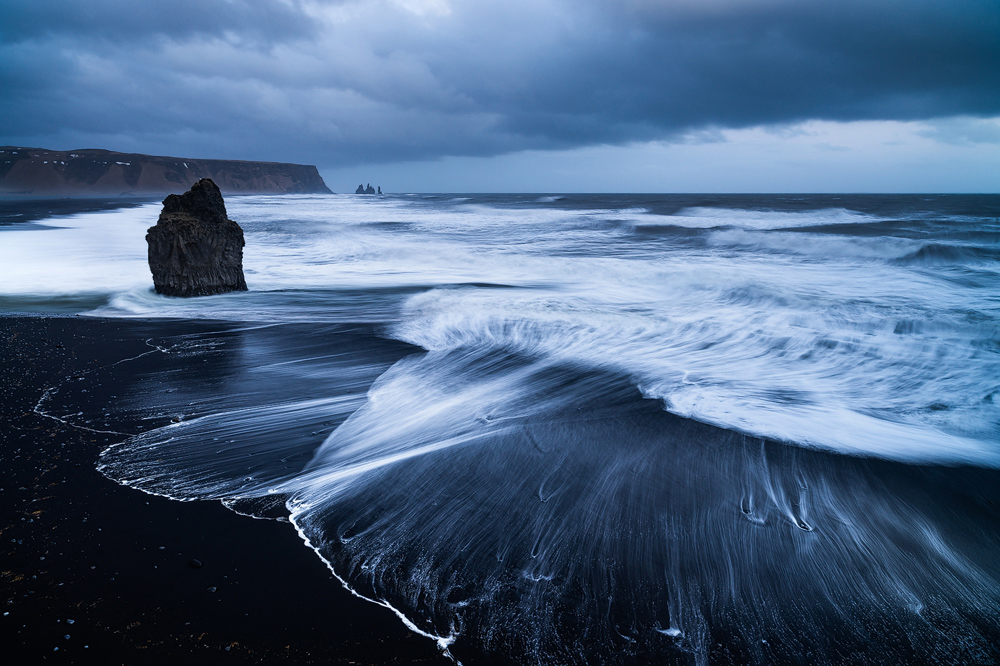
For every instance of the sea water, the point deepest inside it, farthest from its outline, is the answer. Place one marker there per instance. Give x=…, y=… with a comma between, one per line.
x=593, y=428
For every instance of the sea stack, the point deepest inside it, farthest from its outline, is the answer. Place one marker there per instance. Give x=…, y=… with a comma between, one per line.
x=195, y=249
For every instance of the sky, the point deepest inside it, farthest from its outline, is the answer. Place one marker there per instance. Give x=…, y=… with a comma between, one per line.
x=540, y=96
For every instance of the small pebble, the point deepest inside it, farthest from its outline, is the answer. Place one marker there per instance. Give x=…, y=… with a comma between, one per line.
x=195, y=564
x=212, y=589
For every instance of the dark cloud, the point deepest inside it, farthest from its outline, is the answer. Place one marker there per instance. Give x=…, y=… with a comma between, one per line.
x=763, y=64
x=128, y=20
x=339, y=83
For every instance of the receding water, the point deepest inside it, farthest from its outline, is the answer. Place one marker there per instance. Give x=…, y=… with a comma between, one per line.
x=592, y=429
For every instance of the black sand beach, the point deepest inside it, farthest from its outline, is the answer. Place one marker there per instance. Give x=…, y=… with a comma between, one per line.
x=97, y=573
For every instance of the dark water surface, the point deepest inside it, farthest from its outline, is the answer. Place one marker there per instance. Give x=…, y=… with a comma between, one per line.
x=588, y=428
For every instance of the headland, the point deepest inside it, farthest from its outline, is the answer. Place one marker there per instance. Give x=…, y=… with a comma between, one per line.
x=94, y=172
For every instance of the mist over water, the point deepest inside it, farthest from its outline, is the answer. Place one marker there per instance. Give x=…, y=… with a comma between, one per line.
x=592, y=429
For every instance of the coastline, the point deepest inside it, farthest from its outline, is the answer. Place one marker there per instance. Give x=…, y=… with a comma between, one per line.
x=121, y=564
x=633, y=530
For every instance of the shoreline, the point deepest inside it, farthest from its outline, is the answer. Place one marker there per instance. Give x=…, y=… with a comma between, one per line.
x=143, y=578
x=151, y=580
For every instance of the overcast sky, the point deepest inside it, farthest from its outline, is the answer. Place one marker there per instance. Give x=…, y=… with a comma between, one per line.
x=547, y=95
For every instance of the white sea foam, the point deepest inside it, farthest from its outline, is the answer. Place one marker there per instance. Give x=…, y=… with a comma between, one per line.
x=820, y=339
x=707, y=218
x=736, y=347
x=86, y=253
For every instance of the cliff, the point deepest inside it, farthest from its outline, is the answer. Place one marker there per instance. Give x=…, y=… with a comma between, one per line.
x=36, y=171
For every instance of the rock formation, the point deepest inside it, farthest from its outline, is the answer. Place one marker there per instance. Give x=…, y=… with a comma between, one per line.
x=195, y=249
x=89, y=172
x=367, y=190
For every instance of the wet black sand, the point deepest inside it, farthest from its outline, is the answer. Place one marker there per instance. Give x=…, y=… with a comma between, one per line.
x=97, y=573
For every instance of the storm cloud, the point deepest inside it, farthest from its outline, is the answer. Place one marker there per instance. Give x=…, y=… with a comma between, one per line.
x=343, y=83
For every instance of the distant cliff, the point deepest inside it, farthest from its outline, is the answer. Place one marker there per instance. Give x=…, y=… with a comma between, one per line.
x=36, y=171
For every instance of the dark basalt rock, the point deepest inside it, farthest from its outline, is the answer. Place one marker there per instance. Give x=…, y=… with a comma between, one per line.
x=195, y=249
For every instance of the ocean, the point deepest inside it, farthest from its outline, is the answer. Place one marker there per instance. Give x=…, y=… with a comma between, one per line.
x=601, y=429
